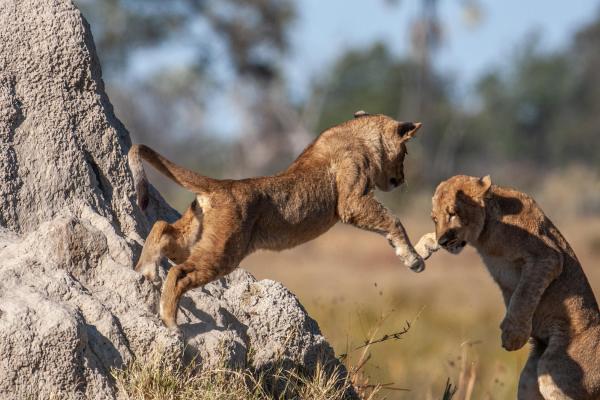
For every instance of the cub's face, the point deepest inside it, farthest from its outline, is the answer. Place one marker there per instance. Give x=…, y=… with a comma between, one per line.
x=458, y=211
x=394, y=137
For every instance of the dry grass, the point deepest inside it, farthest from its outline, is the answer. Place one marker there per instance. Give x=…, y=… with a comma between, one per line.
x=159, y=379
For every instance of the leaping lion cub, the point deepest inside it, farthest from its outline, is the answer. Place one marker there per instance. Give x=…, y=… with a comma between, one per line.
x=547, y=295
x=332, y=180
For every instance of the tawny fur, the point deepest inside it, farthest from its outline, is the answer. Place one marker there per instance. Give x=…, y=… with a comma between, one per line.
x=547, y=295
x=332, y=180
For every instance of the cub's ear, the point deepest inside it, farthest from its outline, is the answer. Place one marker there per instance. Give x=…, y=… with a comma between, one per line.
x=408, y=129
x=360, y=113
x=485, y=183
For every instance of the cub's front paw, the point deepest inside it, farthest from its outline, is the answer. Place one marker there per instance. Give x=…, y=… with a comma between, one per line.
x=514, y=335
x=412, y=261
x=418, y=265
x=427, y=245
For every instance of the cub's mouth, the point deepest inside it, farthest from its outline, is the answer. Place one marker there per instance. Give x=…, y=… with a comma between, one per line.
x=395, y=182
x=455, y=246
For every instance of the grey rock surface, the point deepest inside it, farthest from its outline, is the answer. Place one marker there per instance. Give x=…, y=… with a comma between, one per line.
x=71, y=306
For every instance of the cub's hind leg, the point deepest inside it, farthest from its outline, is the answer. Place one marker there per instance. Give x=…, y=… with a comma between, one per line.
x=180, y=279
x=170, y=240
x=218, y=252
x=528, y=382
x=153, y=251
x=560, y=373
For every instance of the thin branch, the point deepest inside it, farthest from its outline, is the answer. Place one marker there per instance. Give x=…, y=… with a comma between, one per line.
x=389, y=336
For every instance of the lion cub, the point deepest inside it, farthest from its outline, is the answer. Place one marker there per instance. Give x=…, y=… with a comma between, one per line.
x=546, y=293
x=332, y=180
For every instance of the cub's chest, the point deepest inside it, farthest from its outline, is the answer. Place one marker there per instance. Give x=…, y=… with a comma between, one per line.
x=505, y=272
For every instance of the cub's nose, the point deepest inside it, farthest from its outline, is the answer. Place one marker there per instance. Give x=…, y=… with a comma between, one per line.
x=445, y=239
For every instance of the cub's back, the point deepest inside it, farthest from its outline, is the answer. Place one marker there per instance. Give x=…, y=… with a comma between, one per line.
x=294, y=209
x=526, y=232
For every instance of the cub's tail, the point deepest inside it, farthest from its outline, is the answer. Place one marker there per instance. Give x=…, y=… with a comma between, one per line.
x=184, y=177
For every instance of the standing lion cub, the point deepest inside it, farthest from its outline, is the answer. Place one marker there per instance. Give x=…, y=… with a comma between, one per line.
x=332, y=180
x=547, y=295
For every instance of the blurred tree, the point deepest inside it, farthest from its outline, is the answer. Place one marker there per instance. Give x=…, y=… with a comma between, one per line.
x=164, y=61
x=578, y=135
x=426, y=36
x=521, y=106
x=274, y=131
x=545, y=109
x=369, y=79
x=253, y=33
